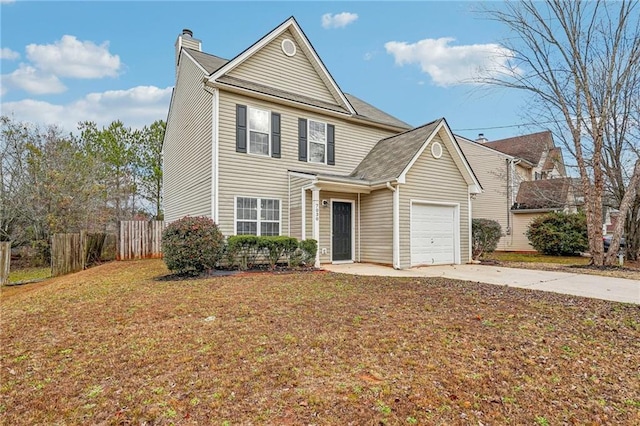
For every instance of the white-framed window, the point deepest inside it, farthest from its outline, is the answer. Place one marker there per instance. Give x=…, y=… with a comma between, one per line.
x=257, y=216
x=259, y=131
x=317, y=141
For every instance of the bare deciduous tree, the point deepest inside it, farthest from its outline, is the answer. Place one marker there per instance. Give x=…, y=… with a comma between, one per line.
x=577, y=60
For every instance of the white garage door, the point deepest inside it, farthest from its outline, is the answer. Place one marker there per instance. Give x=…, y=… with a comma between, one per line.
x=433, y=236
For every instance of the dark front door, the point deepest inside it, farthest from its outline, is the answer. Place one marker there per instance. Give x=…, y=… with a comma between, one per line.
x=341, y=231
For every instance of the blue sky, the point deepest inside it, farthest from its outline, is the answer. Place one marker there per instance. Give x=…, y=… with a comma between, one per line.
x=63, y=62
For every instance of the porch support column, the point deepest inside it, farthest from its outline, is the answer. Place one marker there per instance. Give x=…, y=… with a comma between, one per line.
x=315, y=203
x=396, y=224
x=396, y=228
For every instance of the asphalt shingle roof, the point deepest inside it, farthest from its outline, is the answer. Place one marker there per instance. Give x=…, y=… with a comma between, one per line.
x=257, y=87
x=528, y=147
x=545, y=193
x=210, y=63
x=390, y=156
x=368, y=111
x=364, y=110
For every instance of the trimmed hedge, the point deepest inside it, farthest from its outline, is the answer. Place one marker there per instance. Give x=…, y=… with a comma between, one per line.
x=192, y=245
x=485, y=234
x=559, y=234
x=247, y=251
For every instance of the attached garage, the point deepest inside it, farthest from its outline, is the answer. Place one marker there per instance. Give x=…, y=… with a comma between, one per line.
x=435, y=234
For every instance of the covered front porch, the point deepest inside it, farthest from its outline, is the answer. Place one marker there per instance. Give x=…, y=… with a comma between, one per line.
x=351, y=219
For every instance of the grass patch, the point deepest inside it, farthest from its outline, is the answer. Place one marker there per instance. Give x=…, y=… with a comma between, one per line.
x=28, y=274
x=536, y=258
x=116, y=345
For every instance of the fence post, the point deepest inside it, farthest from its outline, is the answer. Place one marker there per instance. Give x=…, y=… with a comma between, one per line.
x=5, y=262
x=83, y=250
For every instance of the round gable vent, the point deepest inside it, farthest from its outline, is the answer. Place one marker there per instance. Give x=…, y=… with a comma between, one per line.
x=436, y=150
x=288, y=47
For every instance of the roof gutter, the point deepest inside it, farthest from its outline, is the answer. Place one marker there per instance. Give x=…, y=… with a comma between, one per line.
x=543, y=210
x=284, y=101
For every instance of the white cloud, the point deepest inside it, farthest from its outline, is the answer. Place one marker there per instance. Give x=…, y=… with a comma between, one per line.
x=135, y=107
x=6, y=53
x=31, y=80
x=70, y=57
x=339, y=20
x=7, y=1
x=450, y=65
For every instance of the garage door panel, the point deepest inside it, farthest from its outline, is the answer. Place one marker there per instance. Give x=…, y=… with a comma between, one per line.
x=432, y=234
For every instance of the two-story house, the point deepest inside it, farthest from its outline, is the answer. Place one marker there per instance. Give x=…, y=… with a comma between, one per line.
x=522, y=177
x=268, y=144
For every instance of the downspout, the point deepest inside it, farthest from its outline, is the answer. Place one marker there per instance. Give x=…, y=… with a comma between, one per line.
x=396, y=224
x=359, y=245
x=509, y=194
x=470, y=230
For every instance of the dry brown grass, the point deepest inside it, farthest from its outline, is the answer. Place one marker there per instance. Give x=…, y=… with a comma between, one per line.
x=113, y=345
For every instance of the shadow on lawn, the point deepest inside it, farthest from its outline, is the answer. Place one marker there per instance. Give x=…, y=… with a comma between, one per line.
x=280, y=270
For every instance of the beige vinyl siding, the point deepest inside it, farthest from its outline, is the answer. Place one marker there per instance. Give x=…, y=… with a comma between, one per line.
x=295, y=206
x=376, y=227
x=524, y=173
x=308, y=223
x=296, y=74
x=187, y=147
x=521, y=222
x=436, y=180
x=491, y=170
x=243, y=174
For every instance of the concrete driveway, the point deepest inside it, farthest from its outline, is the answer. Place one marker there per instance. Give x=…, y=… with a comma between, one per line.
x=594, y=286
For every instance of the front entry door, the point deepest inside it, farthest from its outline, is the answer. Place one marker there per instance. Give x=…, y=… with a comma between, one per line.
x=341, y=231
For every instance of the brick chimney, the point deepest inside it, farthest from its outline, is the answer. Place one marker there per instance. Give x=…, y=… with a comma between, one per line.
x=186, y=40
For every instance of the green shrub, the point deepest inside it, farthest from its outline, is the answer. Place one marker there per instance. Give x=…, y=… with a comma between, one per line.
x=275, y=247
x=559, y=234
x=246, y=251
x=485, y=234
x=309, y=249
x=304, y=254
x=192, y=245
x=242, y=251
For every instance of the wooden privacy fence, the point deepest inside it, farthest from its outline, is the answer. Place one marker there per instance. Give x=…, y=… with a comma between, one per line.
x=67, y=253
x=73, y=252
x=139, y=239
x=5, y=261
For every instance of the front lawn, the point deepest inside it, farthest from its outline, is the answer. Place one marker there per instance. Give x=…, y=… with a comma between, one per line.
x=29, y=274
x=572, y=264
x=116, y=345
x=536, y=258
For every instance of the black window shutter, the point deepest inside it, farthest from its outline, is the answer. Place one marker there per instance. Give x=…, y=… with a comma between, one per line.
x=331, y=144
x=275, y=135
x=302, y=139
x=241, y=128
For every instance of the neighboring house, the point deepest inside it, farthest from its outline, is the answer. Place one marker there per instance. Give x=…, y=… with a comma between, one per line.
x=522, y=177
x=267, y=144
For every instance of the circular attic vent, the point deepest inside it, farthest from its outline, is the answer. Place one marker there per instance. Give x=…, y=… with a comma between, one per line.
x=436, y=150
x=288, y=47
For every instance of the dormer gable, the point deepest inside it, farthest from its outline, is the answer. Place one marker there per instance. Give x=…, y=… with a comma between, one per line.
x=284, y=61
